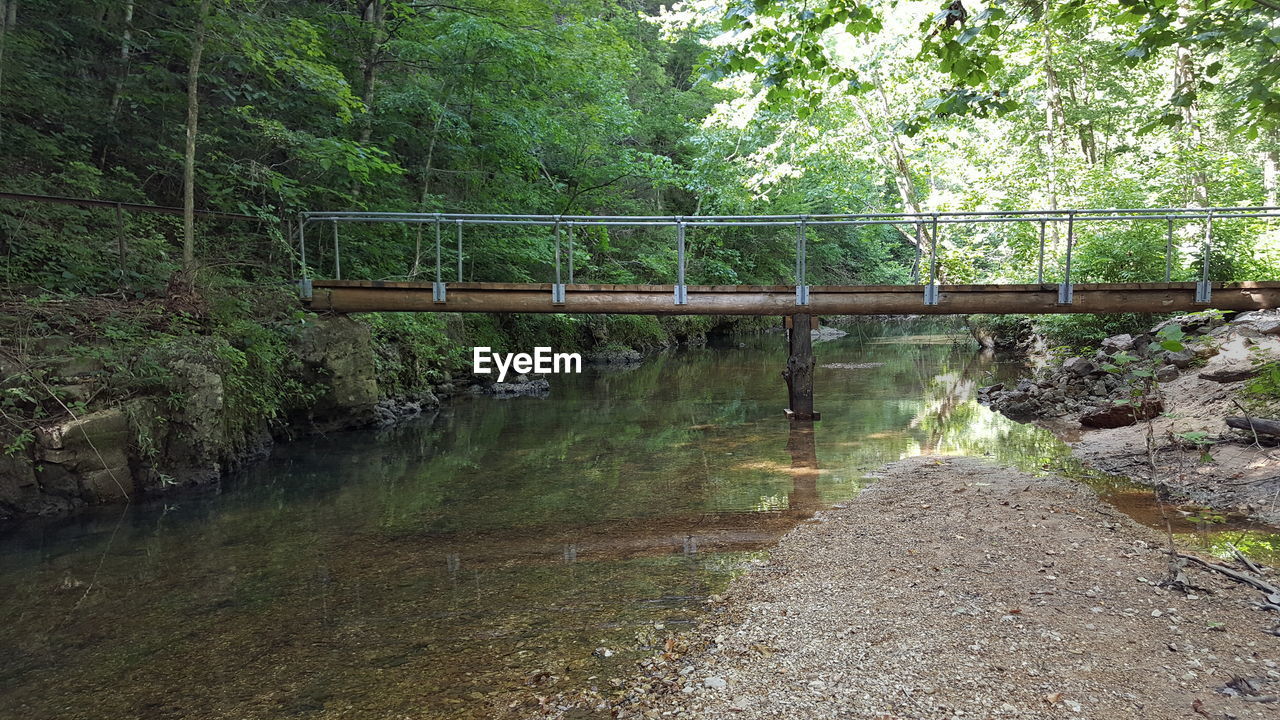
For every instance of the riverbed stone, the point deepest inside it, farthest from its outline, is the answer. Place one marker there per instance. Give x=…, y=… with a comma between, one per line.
x=1167, y=373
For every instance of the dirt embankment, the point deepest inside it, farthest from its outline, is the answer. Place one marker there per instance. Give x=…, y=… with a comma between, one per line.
x=955, y=589
x=1195, y=454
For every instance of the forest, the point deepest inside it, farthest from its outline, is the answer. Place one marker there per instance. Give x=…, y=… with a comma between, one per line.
x=264, y=109
x=271, y=108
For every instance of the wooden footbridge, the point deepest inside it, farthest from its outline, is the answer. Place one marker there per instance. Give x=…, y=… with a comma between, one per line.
x=800, y=302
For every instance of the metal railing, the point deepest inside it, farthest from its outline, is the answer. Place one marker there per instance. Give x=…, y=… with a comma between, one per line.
x=801, y=223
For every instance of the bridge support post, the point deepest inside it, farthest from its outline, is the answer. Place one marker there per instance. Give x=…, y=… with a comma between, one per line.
x=799, y=370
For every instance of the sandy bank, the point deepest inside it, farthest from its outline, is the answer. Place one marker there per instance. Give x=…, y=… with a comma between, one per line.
x=955, y=589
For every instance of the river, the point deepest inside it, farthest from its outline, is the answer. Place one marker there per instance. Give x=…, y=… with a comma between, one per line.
x=499, y=551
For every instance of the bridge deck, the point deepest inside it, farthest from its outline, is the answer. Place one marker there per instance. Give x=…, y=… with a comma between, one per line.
x=350, y=296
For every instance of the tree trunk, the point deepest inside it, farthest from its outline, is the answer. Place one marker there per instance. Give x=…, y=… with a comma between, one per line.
x=373, y=13
x=126, y=37
x=8, y=20
x=1185, y=75
x=189, y=158
x=905, y=183
x=1052, y=115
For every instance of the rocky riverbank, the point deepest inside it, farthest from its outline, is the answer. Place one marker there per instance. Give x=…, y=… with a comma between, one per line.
x=1157, y=414
x=103, y=401
x=952, y=588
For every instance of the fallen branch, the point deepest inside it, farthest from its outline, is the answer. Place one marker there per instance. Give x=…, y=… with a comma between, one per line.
x=1240, y=577
x=1257, y=425
x=1244, y=559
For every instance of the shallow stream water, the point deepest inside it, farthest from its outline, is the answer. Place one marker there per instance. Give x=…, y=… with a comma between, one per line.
x=499, y=551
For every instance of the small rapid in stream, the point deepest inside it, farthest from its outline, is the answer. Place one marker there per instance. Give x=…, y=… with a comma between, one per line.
x=430, y=569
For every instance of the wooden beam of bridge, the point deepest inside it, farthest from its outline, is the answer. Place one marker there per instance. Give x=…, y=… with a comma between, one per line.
x=353, y=296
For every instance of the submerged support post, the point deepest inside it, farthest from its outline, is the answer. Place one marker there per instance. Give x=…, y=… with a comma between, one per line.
x=799, y=371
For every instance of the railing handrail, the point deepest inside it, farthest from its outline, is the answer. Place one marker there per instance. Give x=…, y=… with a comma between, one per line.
x=934, y=218
x=941, y=216
x=131, y=207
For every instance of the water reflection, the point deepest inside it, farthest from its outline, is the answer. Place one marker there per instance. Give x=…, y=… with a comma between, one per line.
x=801, y=443
x=453, y=566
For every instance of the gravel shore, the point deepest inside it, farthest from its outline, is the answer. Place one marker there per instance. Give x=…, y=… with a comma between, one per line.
x=952, y=588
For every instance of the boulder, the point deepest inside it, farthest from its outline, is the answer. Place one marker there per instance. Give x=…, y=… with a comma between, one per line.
x=1121, y=414
x=87, y=456
x=1118, y=343
x=1231, y=373
x=338, y=354
x=1167, y=373
x=1196, y=323
x=1181, y=359
x=19, y=492
x=1079, y=367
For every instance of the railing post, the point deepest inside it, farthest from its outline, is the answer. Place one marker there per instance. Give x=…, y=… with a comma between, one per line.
x=681, y=292
x=1168, y=250
x=439, y=292
x=122, y=246
x=557, y=288
x=1040, y=266
x=569, y=230
x=802, y=263
x=1204, y=289
x=304, y=285
x=1066, y=291
x=915, y=269
x=931, y=290
x=459, y=222
x=337, y=258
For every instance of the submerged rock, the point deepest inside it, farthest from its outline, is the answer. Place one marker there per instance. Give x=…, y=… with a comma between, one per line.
x=824, y=334
x=521, y=385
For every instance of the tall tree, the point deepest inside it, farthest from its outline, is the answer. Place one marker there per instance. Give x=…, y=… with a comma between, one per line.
x=126, y=40
x=8, y=21
x=189, y=155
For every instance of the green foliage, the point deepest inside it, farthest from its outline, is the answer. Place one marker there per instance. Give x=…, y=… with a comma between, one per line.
x=1084, y=332
x=250, y=344
x=785, y=46
x=412, y=351
x=1265, y=386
